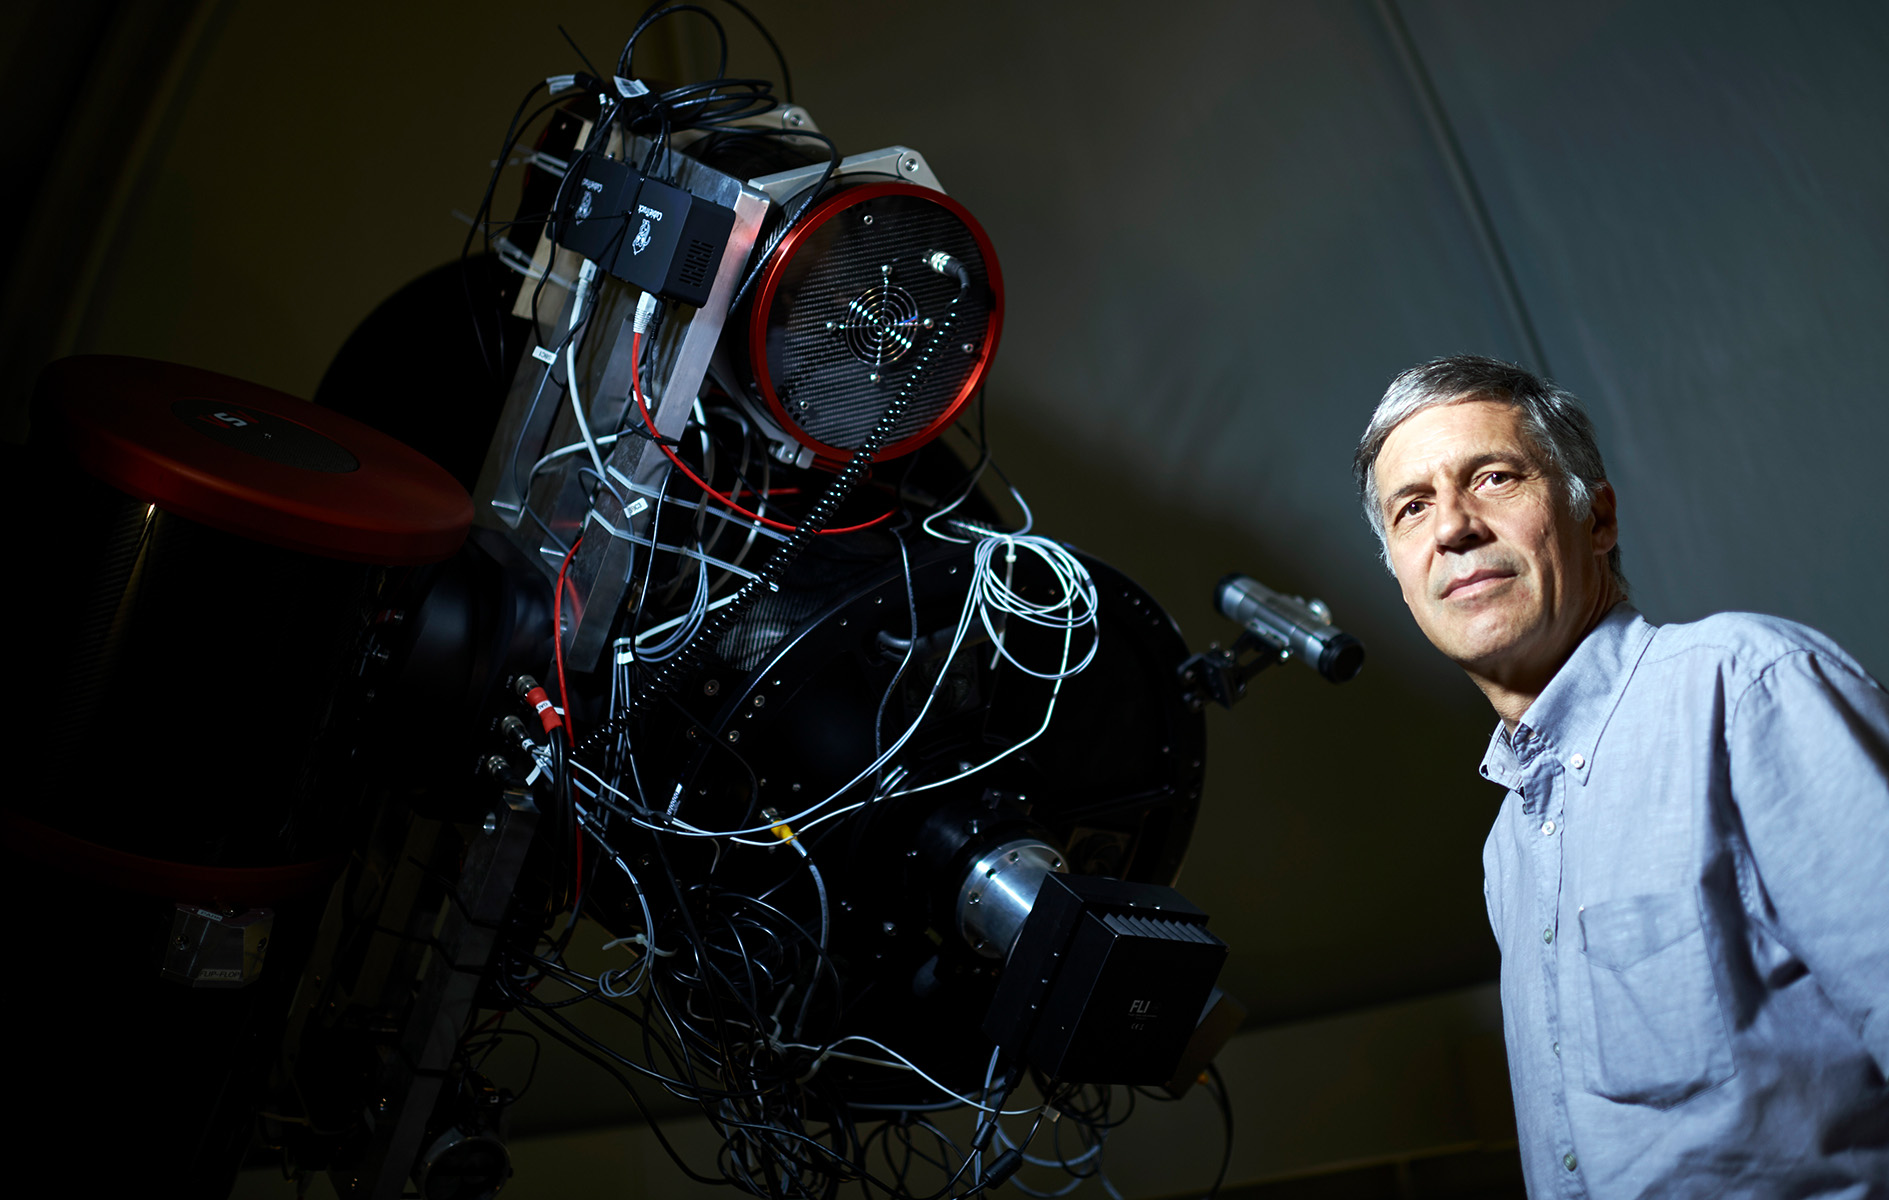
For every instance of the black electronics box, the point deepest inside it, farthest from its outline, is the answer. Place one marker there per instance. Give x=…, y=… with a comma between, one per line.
x=645, y=232
x=1107, y=982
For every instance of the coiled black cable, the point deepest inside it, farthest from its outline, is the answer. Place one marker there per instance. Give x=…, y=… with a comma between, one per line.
x=686, y=660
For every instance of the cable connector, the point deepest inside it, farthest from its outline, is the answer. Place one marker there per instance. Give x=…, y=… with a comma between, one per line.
x=646, y=306
x=783, y=830
x=1002, y=1168
x=945, y=264
x=531, y=693
x=514, y=729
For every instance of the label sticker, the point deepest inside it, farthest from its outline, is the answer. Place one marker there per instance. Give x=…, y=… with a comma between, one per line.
x=635, y=507
x=547, y=357
x=629, y=89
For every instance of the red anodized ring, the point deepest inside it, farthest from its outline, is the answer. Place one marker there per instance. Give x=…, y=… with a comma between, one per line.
x=819, y=215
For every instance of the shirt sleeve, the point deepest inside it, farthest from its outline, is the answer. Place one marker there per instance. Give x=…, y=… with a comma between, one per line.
x=1809, y=743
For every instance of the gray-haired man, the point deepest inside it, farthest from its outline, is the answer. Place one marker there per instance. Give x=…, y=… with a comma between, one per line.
x=1689, y=876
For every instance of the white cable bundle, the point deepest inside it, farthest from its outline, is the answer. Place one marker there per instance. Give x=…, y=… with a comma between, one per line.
x=990, y=599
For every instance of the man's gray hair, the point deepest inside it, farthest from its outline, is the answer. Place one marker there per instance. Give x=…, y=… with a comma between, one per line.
x=1553, y=420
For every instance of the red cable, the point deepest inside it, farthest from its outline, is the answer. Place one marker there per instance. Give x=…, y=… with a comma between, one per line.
x=564, y=697
x=636, y=389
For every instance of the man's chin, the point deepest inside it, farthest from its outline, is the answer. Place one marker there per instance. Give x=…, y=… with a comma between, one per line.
x=1480, y=646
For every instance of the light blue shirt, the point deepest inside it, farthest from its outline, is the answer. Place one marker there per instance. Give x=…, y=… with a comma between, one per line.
x=1689, y=880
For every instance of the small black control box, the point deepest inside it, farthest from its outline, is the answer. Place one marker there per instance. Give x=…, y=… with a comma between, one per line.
x=1107, y=981
x=648, y=233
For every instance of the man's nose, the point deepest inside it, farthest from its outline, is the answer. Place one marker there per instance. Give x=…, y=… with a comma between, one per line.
x=1458, y=525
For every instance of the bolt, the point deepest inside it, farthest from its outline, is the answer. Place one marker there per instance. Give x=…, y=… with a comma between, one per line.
x=795, y=117
x=867, y=219
x=760, y=701
x=968, y=348
x=928, y=322
x=976, y=897
x=831, y=325
x=734, y=735
x=495, y=765
x=872, y=377
x=711, y=687
x=909, y=164
x=491, y=822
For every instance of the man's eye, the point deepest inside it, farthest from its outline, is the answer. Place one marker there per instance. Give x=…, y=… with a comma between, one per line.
x=1497, y=478
x=1410, y=510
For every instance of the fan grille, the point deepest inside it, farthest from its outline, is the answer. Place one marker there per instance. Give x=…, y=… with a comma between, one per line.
x=881, y=324
x=854, y=312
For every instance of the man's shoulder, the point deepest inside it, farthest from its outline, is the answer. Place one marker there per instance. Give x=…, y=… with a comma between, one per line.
x=1745, y=645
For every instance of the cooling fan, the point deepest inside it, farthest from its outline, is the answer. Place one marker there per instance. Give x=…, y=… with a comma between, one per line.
x=848, y=312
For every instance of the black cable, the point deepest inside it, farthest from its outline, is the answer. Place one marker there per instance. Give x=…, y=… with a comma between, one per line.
x=811, y=194
x=636, y=1098
x=653, y=14
x=579, y=51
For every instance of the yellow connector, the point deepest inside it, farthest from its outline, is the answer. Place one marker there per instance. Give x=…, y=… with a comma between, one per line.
x=783, y=831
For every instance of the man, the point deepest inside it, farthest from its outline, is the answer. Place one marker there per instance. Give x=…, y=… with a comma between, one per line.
x=1689, y=875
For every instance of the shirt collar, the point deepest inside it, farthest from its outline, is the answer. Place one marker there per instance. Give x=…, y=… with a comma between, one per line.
x=1567, y=719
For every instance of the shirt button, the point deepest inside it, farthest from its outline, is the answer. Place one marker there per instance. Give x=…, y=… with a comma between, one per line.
x=1569, y=1161
x=1548, y=829
x=1547, y=935
x=1557, y=1049
x=1577, y=762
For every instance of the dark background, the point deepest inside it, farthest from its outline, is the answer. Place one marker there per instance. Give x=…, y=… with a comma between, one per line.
x=1223, y=226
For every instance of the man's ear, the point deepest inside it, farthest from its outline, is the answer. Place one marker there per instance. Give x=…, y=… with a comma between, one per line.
x=1606, y=518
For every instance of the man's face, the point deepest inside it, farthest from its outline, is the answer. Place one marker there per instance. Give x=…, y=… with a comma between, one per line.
x=1499, y=575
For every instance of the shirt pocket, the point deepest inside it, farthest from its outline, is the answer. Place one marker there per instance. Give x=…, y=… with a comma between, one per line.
x=1655, y=1034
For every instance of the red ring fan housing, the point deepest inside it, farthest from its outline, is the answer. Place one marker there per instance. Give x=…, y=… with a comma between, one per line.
x=846, y=309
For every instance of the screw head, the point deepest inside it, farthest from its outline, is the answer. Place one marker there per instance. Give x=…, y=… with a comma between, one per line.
x=867, y=219
x=969, y=348
x=491, y=822
x=711, y=687
x=872, y=376
x=734, y=735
